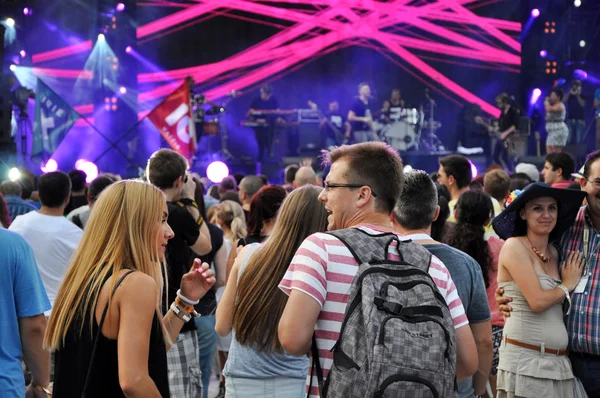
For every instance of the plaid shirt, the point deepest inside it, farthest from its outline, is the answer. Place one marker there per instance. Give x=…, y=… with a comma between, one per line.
x=17, y=206
x=583, y=322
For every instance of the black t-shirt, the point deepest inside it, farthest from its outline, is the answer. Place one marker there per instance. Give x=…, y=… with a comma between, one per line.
x=179, y=254
x=337, y=120
x=360, y=109
x=76, y=202
x=208, y=303
x=510, y=118
x=574, y=109
x=260, y=104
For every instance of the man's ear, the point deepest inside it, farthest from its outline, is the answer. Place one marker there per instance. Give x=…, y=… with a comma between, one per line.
x=437, y=214
x=559, y=172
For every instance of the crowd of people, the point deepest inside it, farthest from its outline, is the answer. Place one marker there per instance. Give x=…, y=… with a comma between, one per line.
x=366, y=281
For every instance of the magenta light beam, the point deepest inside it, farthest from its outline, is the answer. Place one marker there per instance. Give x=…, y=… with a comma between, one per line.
x=61, y=52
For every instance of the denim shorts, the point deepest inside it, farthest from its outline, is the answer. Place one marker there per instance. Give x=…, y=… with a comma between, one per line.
x=238, y=387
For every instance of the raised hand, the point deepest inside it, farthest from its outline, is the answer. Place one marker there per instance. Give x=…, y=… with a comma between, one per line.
x=196, y=283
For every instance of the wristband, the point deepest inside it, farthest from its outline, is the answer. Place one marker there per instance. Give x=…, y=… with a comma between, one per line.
x=567, y=295
x=42, y=389
x=180, y=313
x=200, y=221
x=189, y=202
x=185, y=299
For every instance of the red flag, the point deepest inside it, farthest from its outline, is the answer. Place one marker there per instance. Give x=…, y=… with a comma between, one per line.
x=173, y=118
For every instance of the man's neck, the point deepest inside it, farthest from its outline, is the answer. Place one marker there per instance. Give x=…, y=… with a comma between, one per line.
x=172, y=194
x=246, y=206
x=455, y=192
x=506, y=108
x=78, y=193
x=375, y=219
x=364, y=98
x=52, y=211
x=406, y=232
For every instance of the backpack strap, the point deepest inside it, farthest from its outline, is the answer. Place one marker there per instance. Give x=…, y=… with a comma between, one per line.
x=366, y=250
x=97, y=338
x=316, y=363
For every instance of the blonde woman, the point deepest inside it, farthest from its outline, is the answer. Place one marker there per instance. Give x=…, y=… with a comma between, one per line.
x=252, y=304
x=107, y=326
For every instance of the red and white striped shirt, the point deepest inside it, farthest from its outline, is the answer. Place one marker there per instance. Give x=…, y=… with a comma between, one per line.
x=324, y=268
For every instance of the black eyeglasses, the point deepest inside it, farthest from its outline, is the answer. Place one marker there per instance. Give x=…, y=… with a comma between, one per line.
x=329, y=185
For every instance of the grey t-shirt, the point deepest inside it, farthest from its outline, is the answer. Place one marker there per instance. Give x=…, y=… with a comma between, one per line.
x=467, y=276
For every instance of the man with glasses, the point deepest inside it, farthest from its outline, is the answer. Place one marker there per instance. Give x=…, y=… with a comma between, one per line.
x=167, y=170
x=361, y=191
x=583, y=320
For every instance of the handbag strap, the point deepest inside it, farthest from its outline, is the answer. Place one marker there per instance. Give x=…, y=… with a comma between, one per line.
x=97, y=338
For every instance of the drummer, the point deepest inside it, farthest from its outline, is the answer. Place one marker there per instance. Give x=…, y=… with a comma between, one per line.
x=397, y=109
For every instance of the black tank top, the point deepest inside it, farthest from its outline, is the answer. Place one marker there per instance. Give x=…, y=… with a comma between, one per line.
x=74, y=358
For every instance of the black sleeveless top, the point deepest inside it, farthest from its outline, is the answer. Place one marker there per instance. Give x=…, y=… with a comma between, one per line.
x=74, y=358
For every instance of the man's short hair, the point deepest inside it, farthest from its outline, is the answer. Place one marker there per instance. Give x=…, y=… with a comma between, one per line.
x=78, y=178
x=376, y=165
x=290, y=173
x=519, y=181
x=164, y=167
x=97, y=186
x=496, y=183
x=418, y=201
x=27, y=187
x=54, y=189
x=458, y=167
x=228, y=184
x=305, y=176
x=562, y=160
x=10, y=188
x=503, y=99
x=361, y=85
x=267, y=89
x=251, y=185
x=589, y=161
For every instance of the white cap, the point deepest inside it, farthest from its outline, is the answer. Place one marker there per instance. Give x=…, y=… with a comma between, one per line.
x=579, y=174
x=529, y=169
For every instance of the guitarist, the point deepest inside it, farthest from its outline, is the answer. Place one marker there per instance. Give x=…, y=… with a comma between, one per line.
x=335, y=130
x=507, y=126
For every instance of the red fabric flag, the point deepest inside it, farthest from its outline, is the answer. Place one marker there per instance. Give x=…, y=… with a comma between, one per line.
x=173, y=118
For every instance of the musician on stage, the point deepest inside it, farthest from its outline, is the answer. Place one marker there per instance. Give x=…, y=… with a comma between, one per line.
x=334, y=129
x=264, y=134
x=507, y=126
x=397, y=106
x=361, y=116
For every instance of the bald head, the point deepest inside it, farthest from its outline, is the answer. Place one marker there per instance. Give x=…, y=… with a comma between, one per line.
x=305, y=176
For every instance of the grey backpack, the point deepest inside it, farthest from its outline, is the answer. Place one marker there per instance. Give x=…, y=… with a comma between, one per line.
x=397, y=338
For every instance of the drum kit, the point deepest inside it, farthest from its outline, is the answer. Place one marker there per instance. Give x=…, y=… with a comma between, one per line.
x=210, y=121
x=410, y=132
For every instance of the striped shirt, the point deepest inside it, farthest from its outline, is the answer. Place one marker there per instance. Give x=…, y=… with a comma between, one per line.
x=562, y=184
x=583, y=321
x=324, y=268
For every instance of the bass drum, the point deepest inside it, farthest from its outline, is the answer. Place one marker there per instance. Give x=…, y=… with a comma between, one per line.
x=402, y=136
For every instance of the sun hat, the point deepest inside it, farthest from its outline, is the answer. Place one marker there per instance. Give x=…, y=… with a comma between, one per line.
x=569, y=202
x=529, y=169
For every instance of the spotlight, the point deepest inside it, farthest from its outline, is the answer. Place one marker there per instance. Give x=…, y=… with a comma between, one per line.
x=13, y=67
x=216, y=171
x=543, y=53
x=10, y=22
x=14, y=174
x=535, y=95
x=535, y=13
x=27, y=11
x=577, y=3
x=101, y=37
x=120, y=7
x=473, y=169
x=50, y=166
x=128, y=49
x=89, y=168
x=22, y=53
x=123, y=90
x=580, y=74
x=582, y=43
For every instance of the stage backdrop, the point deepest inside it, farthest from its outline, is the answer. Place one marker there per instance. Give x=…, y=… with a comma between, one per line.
x=460, y=51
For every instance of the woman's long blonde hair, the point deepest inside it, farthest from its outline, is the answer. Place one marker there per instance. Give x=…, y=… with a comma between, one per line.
x=232, y=215
x=122, y=232
x=260, y=303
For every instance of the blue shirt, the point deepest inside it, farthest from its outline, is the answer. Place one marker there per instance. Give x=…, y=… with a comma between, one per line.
x=17, y=206
x=246, y=362
x=22, y=295
x=467, y=276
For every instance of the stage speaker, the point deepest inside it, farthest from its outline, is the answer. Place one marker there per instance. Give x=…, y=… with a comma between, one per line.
x=5, y=115
x=309, y=138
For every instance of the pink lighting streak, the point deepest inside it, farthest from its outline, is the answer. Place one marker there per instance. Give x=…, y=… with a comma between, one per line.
x=64, y=73
x=361, y=21
x=62, y=52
